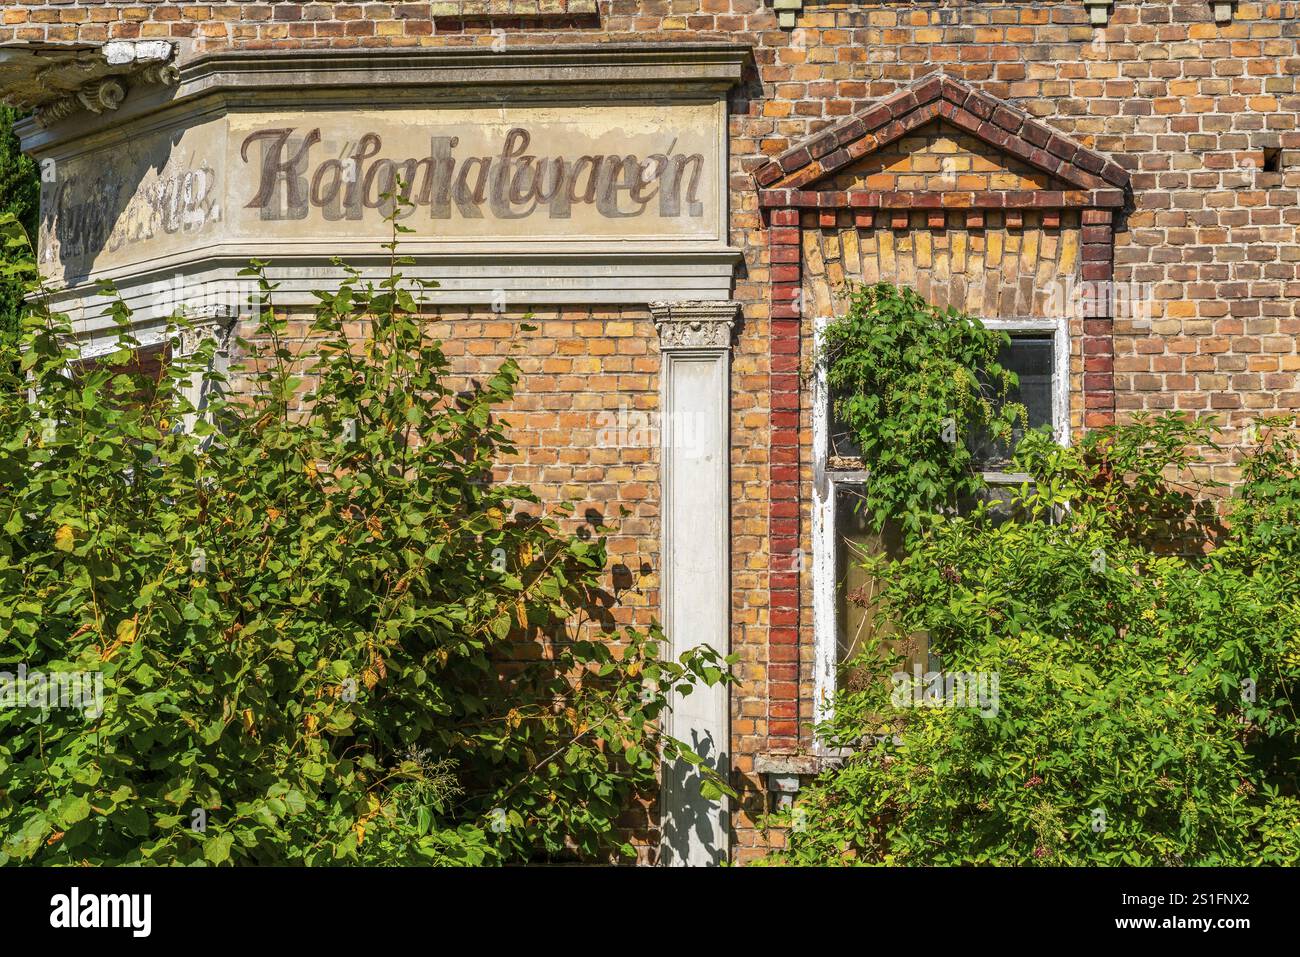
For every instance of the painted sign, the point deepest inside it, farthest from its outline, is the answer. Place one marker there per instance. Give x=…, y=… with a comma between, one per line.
x=142, y=198
x=304, y=181
x=509, y=183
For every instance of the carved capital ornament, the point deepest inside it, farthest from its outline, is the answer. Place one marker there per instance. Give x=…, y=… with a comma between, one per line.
x=701, y=324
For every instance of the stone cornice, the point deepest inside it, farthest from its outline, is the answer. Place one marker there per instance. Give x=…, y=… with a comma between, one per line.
x=698, y=324
x=702, y=60
x=437, y=75
x=58, y=81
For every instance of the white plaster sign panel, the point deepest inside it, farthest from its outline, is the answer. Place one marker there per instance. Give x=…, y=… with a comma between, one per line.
x=524, y=174
x=133, y=199
x=305, y=181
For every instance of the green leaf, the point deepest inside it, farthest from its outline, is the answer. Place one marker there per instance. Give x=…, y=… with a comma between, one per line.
x=216, y=849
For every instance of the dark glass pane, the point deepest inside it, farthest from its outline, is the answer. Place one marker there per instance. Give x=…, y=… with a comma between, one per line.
x=1032, y=358
x=857, y=595
x=999, y=499
x=842, y=443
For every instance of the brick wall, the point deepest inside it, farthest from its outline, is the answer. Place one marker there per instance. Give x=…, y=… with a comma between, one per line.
x=1187, y=106
x=583, y=420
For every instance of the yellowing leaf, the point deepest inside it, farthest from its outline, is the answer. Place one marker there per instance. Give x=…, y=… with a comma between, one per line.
x=64, y=540
x=126, y=629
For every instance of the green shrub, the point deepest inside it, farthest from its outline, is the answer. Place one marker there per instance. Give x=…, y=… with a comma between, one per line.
x=1143, y=711
x=323, y=635
x=20, y=195
x=1146, y=660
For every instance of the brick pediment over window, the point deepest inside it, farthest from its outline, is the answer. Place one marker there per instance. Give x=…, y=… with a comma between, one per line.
x=943, y=155
x=937, y=109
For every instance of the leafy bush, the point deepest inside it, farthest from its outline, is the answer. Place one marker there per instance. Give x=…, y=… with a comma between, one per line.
x=324, y=633
x=20, y=195
x=1112, y=676
x=1146, y=656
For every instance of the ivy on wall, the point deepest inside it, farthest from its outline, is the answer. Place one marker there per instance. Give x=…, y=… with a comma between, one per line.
x=911, y=382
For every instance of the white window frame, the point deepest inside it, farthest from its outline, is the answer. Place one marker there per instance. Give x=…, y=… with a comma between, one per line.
x=215, y=323
x=826, y=484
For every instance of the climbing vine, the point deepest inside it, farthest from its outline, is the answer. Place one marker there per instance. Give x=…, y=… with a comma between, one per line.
x=912, y=384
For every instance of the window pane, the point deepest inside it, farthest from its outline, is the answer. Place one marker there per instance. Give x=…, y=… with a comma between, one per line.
x=999, y=499
x=842, y=443
x=857, y=592
x=1032, y=358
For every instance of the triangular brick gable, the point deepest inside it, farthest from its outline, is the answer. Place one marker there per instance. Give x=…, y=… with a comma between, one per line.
x=987, y=118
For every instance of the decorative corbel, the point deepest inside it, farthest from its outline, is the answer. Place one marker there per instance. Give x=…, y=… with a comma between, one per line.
x=213, y=322
x=694, y=325
x=1223, y=10
x=1099, y=11
x=786, y=12
x=104, y=95
x=56, y=81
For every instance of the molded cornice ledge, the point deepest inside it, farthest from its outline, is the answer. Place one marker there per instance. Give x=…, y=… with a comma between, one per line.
x=699, y=324
x=623, y=64
x=482, y=76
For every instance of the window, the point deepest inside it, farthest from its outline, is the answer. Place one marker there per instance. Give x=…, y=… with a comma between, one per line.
x=1030, y=357
x=843, y=594
x=157, y=348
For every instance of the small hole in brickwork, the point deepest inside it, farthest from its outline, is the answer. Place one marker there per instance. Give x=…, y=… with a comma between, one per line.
x=1272, y=160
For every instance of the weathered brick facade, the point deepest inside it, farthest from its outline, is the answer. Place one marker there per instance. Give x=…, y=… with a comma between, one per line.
x=1198, y=123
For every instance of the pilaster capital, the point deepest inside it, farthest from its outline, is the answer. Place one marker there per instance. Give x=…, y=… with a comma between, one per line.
x=698, y=324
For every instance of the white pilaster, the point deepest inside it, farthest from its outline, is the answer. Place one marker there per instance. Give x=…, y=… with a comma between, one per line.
x=216, y=324
x=695, y=447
